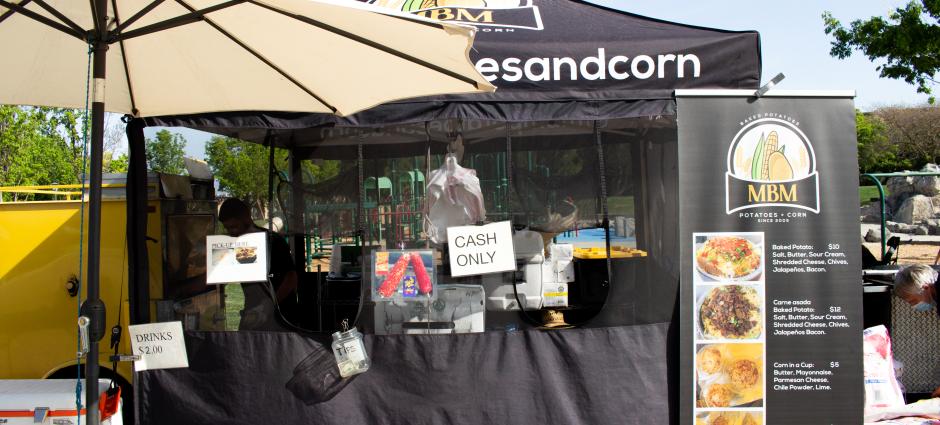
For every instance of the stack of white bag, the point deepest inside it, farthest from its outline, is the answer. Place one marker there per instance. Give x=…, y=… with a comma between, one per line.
x=884, y=400
x=454, y=198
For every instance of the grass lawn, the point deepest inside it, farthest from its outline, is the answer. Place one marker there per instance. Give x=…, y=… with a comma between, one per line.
x=866, y=193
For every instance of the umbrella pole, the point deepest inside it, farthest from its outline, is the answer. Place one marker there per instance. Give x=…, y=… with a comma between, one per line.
x=93, y=307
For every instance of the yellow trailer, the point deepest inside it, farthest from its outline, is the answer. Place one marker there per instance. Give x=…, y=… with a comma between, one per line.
x=39, y=280
x=39, y=261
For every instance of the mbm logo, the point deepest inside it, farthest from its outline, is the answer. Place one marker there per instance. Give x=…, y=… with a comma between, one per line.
x=771, y=163
x=501, y=15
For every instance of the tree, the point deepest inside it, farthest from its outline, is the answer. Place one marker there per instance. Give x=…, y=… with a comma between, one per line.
x=909, y=40
x=45, y=146
x=39, y=146
x=165, y=152
x=116, y=165
x=876, y=153
x=241, y=168
x=915, y=132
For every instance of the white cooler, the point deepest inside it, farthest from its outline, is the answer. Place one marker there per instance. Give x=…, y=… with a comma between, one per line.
x=52, y=402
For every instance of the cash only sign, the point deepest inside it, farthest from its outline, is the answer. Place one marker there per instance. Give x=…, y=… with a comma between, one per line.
x=481, y=249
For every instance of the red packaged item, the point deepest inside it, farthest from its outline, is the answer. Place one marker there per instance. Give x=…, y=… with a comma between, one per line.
x=391, y=282
x=424, y=281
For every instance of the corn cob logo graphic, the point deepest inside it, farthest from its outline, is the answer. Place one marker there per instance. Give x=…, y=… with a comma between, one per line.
x=771, y=163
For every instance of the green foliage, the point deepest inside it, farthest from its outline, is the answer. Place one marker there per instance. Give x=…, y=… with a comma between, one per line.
x=241, y=168
x=39, y=146
x=876, y=153
x=117, y=165
x=165, y=152
x=908, y=40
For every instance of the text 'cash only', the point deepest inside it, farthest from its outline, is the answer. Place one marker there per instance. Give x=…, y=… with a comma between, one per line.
x=480, y=249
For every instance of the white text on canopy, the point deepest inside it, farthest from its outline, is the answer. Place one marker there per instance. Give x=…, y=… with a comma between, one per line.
x=481, y=249
x=159, y=345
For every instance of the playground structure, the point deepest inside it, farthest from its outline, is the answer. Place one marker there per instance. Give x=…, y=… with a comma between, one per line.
x=393, y=203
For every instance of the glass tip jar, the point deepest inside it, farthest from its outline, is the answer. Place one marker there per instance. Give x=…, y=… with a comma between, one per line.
x=350, y=352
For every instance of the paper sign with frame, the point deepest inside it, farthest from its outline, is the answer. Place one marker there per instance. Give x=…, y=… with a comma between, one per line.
x=237, y=259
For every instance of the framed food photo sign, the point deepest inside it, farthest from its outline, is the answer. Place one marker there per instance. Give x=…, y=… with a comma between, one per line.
x=237, y=259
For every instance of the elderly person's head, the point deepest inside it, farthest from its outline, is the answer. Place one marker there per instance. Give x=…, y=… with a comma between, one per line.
x=914, y=284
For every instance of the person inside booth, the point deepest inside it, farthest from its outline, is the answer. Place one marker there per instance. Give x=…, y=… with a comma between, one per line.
x=260, y=311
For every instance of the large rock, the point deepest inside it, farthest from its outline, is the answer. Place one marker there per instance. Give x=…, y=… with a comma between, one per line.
x=933, y=226
x=874, y=235
x=927, y=185
x=894, y=202
x=899, y=185
x=871, y=213
x=915, y=209
x=900, y=227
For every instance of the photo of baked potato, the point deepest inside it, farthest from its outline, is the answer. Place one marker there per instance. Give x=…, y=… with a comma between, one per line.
x=728, y=257
x=730, y=312
x=246, y=254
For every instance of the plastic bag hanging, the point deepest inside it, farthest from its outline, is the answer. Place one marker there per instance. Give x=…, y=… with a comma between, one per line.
x=454, y=198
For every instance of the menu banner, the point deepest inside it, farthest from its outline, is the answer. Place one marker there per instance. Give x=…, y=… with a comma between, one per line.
x=771, y=304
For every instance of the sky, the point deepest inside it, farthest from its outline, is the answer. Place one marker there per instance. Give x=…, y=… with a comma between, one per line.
x=792, y=42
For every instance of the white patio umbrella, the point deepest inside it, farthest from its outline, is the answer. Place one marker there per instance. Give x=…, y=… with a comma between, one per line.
x=156, y=57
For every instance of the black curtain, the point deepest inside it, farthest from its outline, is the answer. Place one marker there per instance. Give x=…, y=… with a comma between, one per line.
x=138, y=263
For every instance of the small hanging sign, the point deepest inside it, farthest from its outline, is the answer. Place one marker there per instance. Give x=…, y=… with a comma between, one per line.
x=237, y=259
x=481, y=249
x=159, y=345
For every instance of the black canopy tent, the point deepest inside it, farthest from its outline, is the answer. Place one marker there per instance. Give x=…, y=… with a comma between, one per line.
x=573, y=77
x=581, y=62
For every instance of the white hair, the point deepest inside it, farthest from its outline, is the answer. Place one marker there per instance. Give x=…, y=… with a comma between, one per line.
x=912, y=280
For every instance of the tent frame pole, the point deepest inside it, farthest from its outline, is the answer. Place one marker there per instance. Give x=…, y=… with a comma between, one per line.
x=93, y=307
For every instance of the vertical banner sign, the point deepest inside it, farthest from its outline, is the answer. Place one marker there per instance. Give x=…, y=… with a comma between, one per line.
x=771, y=301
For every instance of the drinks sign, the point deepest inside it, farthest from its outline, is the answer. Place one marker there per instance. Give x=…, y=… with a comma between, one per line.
x=159, y=345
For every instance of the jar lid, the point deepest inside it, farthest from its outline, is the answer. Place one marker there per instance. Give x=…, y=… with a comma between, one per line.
x=345, y=334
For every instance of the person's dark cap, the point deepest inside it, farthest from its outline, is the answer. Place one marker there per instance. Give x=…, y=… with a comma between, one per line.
x=234, y=208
